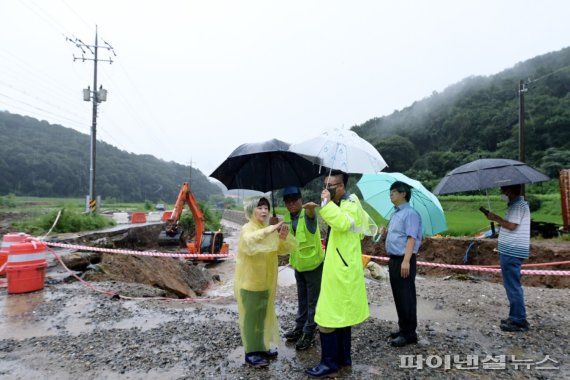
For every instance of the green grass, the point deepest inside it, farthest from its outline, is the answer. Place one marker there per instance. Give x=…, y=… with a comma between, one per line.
x=461, y=211
x=463, y=215
x=38, y=214
x=70, y=220
x=464, y=218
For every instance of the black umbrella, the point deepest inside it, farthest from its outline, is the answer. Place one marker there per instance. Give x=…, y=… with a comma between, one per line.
x=265, y=166
x=488, y=173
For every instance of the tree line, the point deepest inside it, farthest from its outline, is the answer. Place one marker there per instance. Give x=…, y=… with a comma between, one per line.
x=42, y=159
x=474, y=118
x=478, y=118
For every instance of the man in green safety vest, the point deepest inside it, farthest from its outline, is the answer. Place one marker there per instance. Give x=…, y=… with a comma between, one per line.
x=342, y=301
x=307, y=261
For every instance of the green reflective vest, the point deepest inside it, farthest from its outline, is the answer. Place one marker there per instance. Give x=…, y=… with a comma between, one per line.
x=309, y=254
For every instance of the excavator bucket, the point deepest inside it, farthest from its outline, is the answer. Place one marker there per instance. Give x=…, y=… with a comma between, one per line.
x=203, y=245
x=169, y=239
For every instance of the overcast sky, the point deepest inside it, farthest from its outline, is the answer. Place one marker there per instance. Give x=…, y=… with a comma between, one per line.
x=192, y=80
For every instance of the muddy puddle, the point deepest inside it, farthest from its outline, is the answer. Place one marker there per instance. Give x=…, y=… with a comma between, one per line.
x=19, y=317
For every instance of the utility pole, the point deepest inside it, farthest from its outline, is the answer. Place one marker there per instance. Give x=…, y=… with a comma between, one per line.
x=522, y=90
x=97, y=96
x=190, y=174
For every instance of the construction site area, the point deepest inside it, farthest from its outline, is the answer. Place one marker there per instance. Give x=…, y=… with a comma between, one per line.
x=132, y=316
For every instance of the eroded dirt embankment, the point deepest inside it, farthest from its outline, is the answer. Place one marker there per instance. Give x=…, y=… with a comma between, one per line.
x=484, y=252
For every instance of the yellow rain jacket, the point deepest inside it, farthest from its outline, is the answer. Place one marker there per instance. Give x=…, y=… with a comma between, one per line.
x=256, y=270
x=343, y=301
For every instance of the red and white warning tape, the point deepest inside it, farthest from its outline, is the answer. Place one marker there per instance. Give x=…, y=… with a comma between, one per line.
x=207, y=255
x=481, y=268
x=138, y=253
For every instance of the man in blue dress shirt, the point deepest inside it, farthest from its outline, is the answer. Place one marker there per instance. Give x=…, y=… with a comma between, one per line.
x=402, y=244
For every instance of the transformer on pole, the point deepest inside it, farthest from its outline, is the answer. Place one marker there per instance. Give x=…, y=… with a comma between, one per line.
x=96, y=96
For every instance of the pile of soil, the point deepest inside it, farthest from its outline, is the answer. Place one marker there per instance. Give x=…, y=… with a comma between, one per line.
x=178, y=277
x=484, y=252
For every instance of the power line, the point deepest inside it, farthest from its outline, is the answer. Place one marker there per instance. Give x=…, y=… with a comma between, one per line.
x=38, y=99
x=33, y=75
x=530, y=82
x=52, y=23
x=40, y=109
x=40, y=79
x=77, y=14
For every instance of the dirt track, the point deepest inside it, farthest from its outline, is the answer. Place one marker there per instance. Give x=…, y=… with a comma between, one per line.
x=69, y=330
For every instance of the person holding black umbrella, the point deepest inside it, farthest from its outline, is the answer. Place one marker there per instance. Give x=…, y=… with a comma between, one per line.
x=256, y=280
x=514, y=243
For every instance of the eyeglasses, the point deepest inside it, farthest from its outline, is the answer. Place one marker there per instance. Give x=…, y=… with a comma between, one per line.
x=332, y=185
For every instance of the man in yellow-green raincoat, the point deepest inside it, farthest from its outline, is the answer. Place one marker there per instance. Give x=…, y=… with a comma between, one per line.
x=342, y=302
x=256, y=280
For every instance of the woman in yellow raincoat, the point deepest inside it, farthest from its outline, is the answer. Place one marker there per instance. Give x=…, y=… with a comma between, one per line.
x=256, y=280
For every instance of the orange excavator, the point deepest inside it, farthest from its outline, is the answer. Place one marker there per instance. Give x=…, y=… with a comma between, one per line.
x=203, y=243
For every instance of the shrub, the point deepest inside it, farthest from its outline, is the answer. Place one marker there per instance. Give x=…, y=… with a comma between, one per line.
x=69, y=221
x=148, y=205
x=212, y=220
x=8, y=201
x=534, y=202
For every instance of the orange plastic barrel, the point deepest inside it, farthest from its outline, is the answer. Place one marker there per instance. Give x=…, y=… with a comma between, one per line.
x=138, y=217
x=7, y=241
x=166, y=215
x=26, y=267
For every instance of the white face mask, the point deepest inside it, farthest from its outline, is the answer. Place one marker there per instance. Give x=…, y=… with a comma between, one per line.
x=504, y=197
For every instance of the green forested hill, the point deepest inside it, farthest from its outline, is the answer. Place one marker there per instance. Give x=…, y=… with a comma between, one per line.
x=41, y=159
x=478, y=117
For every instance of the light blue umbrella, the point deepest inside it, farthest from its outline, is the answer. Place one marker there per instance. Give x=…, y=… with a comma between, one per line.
x=375, y=189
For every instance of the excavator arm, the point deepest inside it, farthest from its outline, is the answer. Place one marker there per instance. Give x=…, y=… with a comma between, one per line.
x=196, y=214
x=171, y=227
x=213, y=242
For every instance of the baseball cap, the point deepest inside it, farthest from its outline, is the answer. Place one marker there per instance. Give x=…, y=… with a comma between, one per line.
x=291, y=192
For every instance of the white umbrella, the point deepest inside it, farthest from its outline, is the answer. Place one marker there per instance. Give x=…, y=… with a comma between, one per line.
x=341, y=149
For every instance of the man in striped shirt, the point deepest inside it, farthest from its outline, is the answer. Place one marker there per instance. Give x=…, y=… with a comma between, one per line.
x=514, y=243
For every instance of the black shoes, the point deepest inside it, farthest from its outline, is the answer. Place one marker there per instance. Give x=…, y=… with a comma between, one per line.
x=402, y=341
x=512, y=326
x=254, y=359
x=293, y=335
x=305, y=341
x=271, y=354
x=302, y=340
x=322, y=371
x=260, y=358
x=394, y=334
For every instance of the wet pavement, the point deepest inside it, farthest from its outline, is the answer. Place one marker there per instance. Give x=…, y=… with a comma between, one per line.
x=68, y=331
